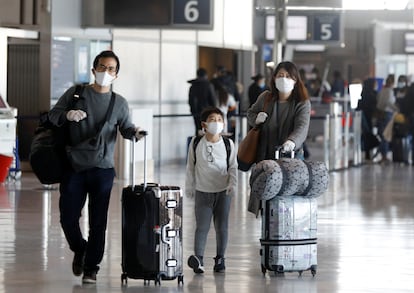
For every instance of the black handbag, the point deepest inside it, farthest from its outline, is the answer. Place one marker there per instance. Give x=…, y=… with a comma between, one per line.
x=47, y=152
x=47, y=155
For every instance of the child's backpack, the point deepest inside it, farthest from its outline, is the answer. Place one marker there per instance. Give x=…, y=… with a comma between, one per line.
x=226, y=144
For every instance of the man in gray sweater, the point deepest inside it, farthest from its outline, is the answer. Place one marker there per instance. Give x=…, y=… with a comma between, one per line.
x=90, y=152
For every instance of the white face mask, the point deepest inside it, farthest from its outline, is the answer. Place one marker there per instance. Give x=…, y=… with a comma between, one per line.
x=215, y=127
x=103, y=78
x=284, y=85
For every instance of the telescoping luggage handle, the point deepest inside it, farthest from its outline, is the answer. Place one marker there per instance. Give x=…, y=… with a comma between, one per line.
x=132, y=163
x=278, y=153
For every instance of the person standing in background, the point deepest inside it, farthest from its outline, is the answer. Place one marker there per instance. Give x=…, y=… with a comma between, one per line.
x=367, y=104
x=201, y=95
x=256, y=88
x=401, y=89
x=227, y=103
x=338, y=84
x=386, y=108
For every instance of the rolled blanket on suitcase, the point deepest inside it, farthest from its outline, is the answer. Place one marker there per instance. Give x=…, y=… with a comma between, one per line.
x=288, y=177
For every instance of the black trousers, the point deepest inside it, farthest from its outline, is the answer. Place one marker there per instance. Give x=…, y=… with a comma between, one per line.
x=96, y=184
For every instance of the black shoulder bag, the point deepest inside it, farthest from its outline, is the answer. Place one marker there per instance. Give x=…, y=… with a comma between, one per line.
x=47, y=151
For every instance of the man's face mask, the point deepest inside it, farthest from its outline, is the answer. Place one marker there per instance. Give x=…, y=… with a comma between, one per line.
x=103, y=78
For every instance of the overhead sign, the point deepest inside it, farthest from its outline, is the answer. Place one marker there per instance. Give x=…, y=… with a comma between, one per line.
x=326, y=27
x=309, y=27
x=193, y=13
x=188, y=14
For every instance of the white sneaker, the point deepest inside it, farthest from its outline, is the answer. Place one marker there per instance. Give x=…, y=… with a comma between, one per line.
x=196, y=264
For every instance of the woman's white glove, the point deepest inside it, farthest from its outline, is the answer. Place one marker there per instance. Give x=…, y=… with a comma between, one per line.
x=139, y=133
x=261, y=118
x=288, y=146
x=75, y=115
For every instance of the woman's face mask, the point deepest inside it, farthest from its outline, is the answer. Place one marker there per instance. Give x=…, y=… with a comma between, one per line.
x=284, y=85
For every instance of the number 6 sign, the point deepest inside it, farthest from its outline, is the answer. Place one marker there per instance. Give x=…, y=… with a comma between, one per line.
x=193, y=13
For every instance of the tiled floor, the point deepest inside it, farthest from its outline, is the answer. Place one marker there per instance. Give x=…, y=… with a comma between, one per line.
x=365, y=240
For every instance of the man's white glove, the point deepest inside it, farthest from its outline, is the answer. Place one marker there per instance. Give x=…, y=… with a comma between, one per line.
x=190, y=194
x=76, y=115
x=288, y=146
x=139, y=133
x=261, y=117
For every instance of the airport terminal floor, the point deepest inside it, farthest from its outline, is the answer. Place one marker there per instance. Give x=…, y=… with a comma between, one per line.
x=365, y=240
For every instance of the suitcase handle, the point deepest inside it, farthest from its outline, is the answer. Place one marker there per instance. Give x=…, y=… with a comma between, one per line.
x=132, y=163
x=164, y=235
x=278, y=153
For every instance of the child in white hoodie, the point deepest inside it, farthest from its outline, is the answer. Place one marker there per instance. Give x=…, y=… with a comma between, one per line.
x=212, y=179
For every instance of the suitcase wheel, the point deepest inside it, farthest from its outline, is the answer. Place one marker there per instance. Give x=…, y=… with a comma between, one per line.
x=279, y=270
x=313, y=270
x=180, y=280
x=124, y=279
x=263, y=270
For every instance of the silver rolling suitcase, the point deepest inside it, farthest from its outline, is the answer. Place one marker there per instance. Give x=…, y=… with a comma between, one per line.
x=289, y=239
x=289, y=233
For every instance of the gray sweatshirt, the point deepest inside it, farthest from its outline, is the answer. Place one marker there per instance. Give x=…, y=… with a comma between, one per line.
x=286, y=120
x=95, y=105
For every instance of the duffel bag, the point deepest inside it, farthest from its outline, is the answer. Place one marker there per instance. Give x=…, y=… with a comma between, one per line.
x=288, y=177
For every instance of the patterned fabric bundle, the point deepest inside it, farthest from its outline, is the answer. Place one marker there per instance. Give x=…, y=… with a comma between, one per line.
x=288, y=177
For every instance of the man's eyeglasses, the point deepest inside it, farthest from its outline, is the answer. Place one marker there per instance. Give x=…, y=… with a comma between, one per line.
x=210, y=157
x=103, y=68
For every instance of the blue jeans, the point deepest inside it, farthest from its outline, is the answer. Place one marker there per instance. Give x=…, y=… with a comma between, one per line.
x=208, y=205
x=384, y=145
x=97, y=184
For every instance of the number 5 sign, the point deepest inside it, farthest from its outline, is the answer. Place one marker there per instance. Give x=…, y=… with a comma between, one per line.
x=193, y=13
x=326, y=27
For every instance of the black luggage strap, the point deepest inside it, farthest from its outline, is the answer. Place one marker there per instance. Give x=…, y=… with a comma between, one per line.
x=284, y=176
x=310, y=179
x=107, y=117
x=277, y=242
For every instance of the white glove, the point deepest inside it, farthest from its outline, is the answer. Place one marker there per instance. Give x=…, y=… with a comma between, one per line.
x=76, y=115
x=230, y=192
x=190, y=194
x=261, y=117
x=288, y=146
x=139, y=133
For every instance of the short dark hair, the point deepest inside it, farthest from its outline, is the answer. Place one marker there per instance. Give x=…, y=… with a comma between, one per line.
x=210, y=110
x=106, y=54
x=201, y=72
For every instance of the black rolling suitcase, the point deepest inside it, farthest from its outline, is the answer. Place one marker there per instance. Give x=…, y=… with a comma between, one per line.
x=151, y=231
x=400, y=149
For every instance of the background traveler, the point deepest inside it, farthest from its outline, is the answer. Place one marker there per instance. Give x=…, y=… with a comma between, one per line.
x=385, y=108
x=201, y=95
x=256, y=88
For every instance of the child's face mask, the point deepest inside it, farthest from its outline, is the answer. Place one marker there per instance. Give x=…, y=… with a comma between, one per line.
x=214, y=127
